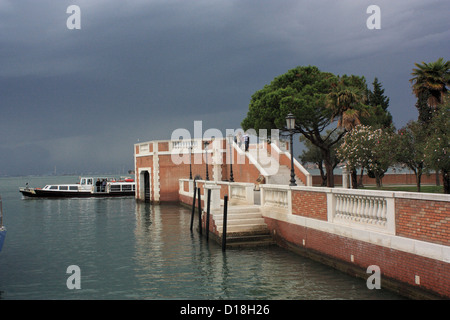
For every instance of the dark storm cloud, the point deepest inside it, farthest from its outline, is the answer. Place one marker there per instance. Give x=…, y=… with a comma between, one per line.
x=140, y=69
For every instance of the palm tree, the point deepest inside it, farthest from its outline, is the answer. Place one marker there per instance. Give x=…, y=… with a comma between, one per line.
x=431, y=78
x=346, y=101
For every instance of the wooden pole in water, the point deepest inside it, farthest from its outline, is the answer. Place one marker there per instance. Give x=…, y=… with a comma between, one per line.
x=193, y=206
x=224, y=232
x=207, y=214
x=199, y=212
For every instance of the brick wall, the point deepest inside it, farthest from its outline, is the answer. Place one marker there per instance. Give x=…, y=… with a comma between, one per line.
x=243, y=170
x=143, y=162
x=309, y=204
x=423, y=220
x=397, y=267
x=391, y=178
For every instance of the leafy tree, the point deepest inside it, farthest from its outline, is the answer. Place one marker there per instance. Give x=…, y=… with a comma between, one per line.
x=437, y=147
x=409, y=144
x=303, y=91
x=366, y=147
x=312, y=154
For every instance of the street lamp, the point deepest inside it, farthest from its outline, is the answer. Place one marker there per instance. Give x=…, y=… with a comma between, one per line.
x=190, y=161
x=290, y=123
x=230, y=137
x=206, y=143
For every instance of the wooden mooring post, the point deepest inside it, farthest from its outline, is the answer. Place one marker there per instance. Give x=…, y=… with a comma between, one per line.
x=224, y=231
x=193, y=206
x=199, y=212
x=208, y=205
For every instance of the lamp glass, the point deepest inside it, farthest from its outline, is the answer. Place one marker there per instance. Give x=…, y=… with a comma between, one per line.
x=290, y=121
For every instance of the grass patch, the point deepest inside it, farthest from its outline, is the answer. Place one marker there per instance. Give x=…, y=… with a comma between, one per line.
x=424, y=188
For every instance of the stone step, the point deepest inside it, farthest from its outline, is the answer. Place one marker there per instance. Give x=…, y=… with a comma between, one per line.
x=253, y=221
x=255, y=239
x=238, y=209
x=240, y=228
x=254, y=243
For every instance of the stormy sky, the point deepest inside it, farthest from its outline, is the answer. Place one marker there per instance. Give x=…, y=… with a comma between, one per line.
x=78, y=99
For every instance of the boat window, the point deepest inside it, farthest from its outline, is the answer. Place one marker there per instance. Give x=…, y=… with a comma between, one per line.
x=73, y=188
x=83, y=181
x=53, y=188
x=126, y=187
x=115, y=188
x=63, y=187
x=89, y=181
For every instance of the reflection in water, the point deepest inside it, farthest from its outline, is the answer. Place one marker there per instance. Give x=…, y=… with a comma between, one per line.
x=132, y=250
x=174, y=263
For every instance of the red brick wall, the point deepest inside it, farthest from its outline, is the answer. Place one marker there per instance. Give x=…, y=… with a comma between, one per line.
x=163, y=146
x=242, y=171
x=391, y=178
x=309, y=204
x=401, y=266
x=169, y=175
x=423, y=220
x=144, y=162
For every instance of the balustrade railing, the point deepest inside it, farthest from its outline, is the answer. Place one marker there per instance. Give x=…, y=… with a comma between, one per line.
x=275, y=197
x=361, y=208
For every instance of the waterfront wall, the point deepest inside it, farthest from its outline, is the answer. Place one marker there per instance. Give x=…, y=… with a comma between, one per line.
x=407, y=235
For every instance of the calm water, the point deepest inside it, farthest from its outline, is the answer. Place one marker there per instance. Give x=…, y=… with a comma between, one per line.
x=129, y=250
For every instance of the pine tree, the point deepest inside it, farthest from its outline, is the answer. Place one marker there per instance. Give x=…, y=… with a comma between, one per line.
x=379, y=116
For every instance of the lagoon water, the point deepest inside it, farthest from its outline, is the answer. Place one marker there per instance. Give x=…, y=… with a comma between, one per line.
x=131, y=250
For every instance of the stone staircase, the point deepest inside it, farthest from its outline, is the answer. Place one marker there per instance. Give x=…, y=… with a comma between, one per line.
x=245, y=226
x=283, y=176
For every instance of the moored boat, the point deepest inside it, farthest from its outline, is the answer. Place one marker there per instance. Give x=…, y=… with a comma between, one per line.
x=88, y=187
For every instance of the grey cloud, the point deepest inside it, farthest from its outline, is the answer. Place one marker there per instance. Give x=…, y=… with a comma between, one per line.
x=140, y=69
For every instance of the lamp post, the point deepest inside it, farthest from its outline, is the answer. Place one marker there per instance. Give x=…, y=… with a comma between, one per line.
x=190, y=161
x=230, y=137
x=290, y=122
x=206, y=143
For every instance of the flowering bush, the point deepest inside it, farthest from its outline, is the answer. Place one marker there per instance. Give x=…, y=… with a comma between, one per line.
x=365, y=147
x=437, y=147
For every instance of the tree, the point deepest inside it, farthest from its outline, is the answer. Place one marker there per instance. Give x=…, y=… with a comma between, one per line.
x=302, y=91
x=423, y=108
x=379, y=116
x=429, y=84
x=346, y=100
x=366, y=147
x=437, y=147
x=312, y=154
x=409, y=144
x=431, y=78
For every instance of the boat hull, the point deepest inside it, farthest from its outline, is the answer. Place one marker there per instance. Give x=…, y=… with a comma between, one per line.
x=39, y=193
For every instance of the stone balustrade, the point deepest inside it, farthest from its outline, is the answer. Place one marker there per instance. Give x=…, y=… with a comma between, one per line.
x=277, y=197
x=238, y=192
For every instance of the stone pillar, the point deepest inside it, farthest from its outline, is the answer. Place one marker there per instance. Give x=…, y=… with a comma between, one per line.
x=215, y=196
x=344, y=177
